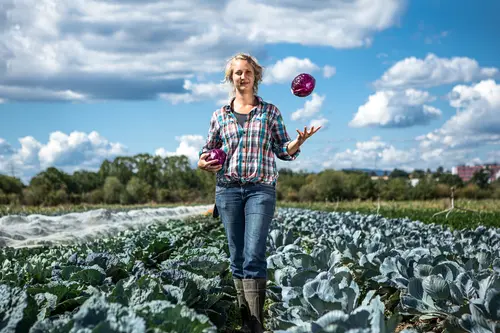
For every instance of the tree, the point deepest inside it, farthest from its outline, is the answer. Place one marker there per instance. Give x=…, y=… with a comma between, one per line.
x=397, y=189
x=425, y=189
x=86, y=181
x=360, y=186
x=451, y=180
x=54, y=179
x=10, y=184
x=138, y=190
x=418, y=173
x=397, y=173
x=330, y=185
x=481, y=178
x=112, y=190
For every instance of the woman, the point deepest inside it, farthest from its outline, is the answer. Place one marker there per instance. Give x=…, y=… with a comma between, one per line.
x=251, y=132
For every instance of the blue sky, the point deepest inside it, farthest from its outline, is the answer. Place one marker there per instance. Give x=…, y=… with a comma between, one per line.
x=406, y=85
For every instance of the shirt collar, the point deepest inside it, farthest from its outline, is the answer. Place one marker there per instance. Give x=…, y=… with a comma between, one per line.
x=260, y=102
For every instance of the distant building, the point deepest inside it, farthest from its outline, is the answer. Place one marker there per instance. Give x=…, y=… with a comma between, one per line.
x=414, y=181
x=385, y=177
x=465, y=172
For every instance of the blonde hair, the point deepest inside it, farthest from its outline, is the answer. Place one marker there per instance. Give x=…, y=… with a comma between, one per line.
x=257, y=69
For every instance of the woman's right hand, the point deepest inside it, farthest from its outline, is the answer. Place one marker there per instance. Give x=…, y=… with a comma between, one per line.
x=211, y=166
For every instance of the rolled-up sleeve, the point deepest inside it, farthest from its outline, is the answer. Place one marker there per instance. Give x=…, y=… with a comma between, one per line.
x=281, y=139
x=213, y=138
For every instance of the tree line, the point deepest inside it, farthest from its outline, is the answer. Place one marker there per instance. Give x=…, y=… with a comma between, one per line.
x=145, y=178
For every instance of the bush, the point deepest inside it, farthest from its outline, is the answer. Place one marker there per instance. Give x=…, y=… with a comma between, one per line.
x=112, y=190
x=4, y=200
x=94, y=197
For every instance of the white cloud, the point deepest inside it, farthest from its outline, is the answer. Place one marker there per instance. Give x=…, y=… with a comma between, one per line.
x=371, y=154
x=283, y=71
x=323, y=122
x=433, y=71
x=66, y=152
x=477, y=121
x=334, y=23
x=2, y=100
x=390, y=108
x=77, y=148
x=198, y=92
x=374, y=144
x=401, y=154
x=98, y=50
x=436, y=38
x=478, y=108
x=311, y=107
x=5, y=148
x=329, y=71
x=39, y=94
x=189, y=145
x=300, y=164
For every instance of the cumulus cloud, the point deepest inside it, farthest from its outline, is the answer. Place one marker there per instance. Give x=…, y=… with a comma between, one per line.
x=39, y=94
x=323, y=122
x=371, y=154
x=329, y=71
x=391, y=108
x=311, y=107
x=300, y=164
x=76, y=148
x=97, y=50
x=477, y=121
x=66, y=152
x=402, y=154
x=433, y=71
x=5, y=148
x=283, y=71
x=199, y=91
x=334, y=23
x=189, y=145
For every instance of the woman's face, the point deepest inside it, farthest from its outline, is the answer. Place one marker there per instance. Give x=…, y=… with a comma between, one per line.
x=243, y=75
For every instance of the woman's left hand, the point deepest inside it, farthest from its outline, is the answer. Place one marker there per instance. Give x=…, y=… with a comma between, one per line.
x=303, y=136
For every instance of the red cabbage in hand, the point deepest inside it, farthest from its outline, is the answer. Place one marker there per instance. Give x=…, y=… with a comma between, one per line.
x=303, y=85
x=217, y=154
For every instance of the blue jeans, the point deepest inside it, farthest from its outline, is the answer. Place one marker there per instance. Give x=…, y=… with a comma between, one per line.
x=246, y=213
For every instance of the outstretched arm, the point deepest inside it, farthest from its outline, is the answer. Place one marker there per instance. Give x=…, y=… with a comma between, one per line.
x=301, y=138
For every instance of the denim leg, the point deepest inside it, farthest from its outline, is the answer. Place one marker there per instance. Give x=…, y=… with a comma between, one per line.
x=259, y=211
x=230, y=205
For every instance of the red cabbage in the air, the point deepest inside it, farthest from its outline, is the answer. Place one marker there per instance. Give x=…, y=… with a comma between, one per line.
x=217, y=154
x=303, y=85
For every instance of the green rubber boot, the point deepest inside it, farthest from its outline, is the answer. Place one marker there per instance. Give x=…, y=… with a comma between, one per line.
x=242, y=306
x=255, y=294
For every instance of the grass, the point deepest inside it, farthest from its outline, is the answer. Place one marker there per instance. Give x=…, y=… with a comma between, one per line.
x=480, y=212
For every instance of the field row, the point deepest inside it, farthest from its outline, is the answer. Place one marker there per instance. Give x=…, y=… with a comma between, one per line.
x=335, y=272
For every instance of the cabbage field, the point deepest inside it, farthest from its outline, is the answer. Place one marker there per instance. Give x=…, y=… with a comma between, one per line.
x=328, y=272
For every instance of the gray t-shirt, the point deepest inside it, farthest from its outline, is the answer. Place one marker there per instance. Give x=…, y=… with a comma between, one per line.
x=241, y=118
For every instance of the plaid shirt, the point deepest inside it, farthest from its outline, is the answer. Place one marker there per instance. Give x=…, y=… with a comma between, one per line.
x=250, y=150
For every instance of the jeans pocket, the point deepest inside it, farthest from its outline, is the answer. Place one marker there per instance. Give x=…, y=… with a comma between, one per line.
x=218, y=189
x=266, y=188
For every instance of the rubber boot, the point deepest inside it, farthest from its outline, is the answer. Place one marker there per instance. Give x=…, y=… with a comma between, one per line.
x=255, y=294
x=243, y=306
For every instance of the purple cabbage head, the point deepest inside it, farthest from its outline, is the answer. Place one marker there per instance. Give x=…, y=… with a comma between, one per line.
x=303, y=85
x=217, y=154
